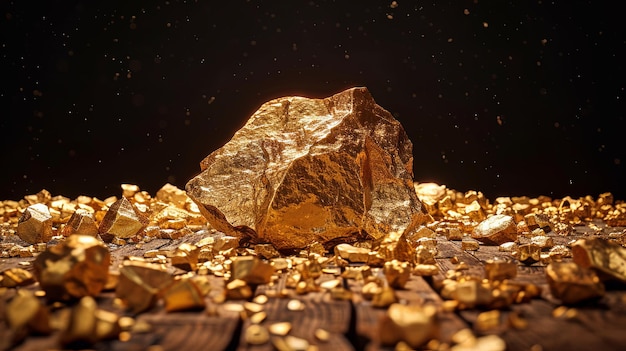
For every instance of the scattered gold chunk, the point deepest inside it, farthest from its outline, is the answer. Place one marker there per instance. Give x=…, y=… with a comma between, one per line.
x=352, y=253
x=280, y=328
x=528, y=253
x=413, y=324
x=508, y=247
x=496, y=230
x=397, y=273
x=140, y=283
x=185, y=257
x=183, y=294
x=76, y=267
x=35, y=224
x=572, y=283
x=238, y=290
x=295, y=305
x=488, y=342
x=426, y=270
x=384, y=298
x=251, y=270
x=291, y=343
x=123, y=220
x=172, y=194
x=81, y=222
x=266, y=251
x=469, y=245
x=14, y=277
x=606, y=258
x=500, y=270
x=453, y=234
x=322, y=334
x=487, y=320
x=26, y=313
x=258, y=317
x=257, y=335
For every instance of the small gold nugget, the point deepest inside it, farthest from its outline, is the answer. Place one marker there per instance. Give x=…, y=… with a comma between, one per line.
x=14, y=277
x=26, y=313
x=572, y=283
x=35, y=224
x=351, y=253
x=496, y=230
x=184, y=294
x=185, y=257
x=413, y=324
x=251, y=270
x=76, y=267
x=500, y=270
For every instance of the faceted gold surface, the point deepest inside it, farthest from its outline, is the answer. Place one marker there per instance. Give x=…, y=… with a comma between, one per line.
x=81, y=222
x=606, y=258
x=496, y=230
x=572, y=283
x=74, y=268
x=304, y=170
x=35, y=224
x=251, y=270
x=527, y=253
x=413, y=324
x=185, y=257
x=182, y=295
x=140, y=284
x=123, y=220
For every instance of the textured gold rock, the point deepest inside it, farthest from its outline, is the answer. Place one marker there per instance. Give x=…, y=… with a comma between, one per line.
x=304, y=170
x=606, y=258
x=88, y=324
x=397, y=273
x=140, y=284
x=496, y=230
x=171, y=194
x=35, y=224
x=413, y=324
x=527, y=253
x=572, y=283
x=74, y=268
x=123, y=220
x=81, y=222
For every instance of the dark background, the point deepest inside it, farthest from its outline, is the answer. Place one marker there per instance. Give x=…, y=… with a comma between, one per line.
x=505, y=97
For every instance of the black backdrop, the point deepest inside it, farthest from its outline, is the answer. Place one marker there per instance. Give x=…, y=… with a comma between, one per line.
x=505, y=97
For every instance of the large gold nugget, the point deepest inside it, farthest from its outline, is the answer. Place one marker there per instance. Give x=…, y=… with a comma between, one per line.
x=496, y=230
x=572, y=283
x=304, y=170
x=122, y=221
x=75, y=268
x=413, y=324
x=35, y=225
x=140, y=284
x=606, y=258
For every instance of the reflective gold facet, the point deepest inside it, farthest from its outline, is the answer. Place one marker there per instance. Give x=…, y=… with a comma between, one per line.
x=35, y=224
x=238, y=290
x=496, y=230
x=183, y=294
x=140, y=283
x=81, y=222
x=256, y=335
x=251, y=270
x=185, y=257
x=74, y=268
x=572, y=283
x=266, y=251
x=123, y=220
x=384, y=298
x=24, y=313
x=304, y=170
x=412, y=324
x=608, y=259
x=397, y=273
x=82, y=323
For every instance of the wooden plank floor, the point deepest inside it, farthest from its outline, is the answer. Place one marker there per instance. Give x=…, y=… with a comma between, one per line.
x=353, y=324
